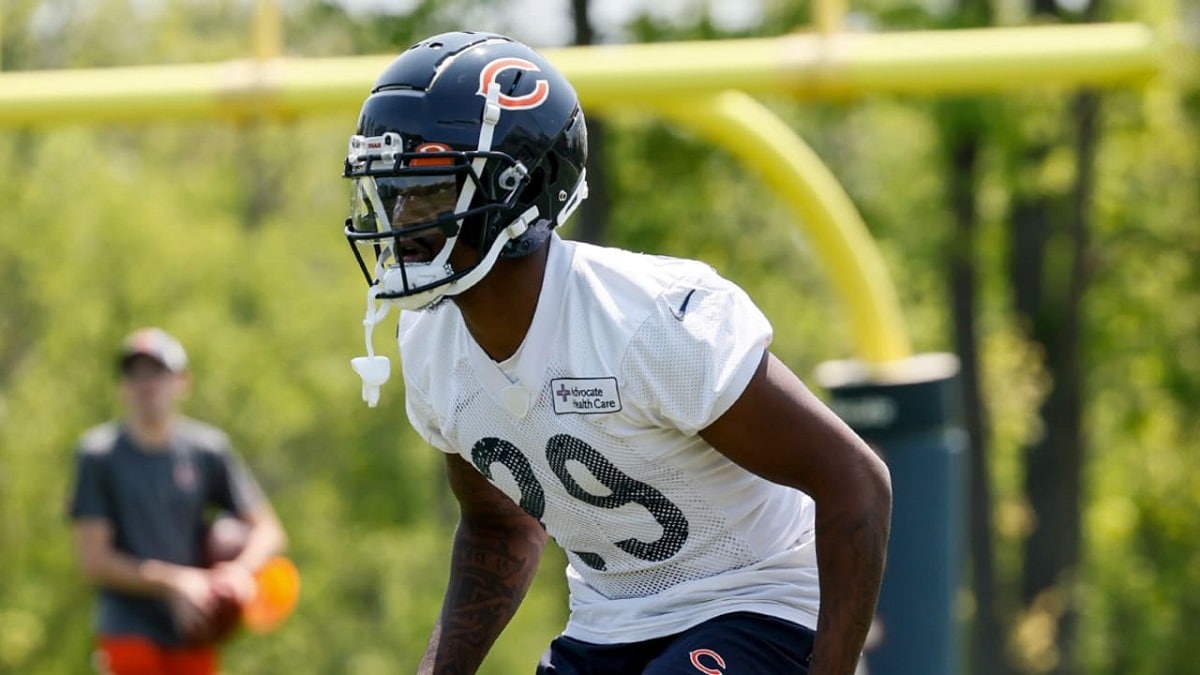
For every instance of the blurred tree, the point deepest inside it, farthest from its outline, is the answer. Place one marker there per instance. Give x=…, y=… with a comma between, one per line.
x=592, y=221
x=962, y=128
x=1049, y=273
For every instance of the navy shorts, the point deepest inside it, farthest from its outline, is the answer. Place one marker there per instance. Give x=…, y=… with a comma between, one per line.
x=741, y=643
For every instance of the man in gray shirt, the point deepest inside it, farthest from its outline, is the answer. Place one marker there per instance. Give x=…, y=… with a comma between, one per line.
x=146, y=488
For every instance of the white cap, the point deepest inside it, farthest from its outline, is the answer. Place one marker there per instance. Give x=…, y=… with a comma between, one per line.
x=156, y=344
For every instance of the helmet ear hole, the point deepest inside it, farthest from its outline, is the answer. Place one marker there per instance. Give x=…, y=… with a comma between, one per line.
x=535, y=187
x=551, y=165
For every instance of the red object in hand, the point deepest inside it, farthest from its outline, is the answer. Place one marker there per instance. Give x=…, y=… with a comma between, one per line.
x=277, y=586
x=224, y=622
x=223, y=541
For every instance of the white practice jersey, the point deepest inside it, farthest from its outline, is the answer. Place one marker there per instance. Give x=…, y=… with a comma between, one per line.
x=592, y=427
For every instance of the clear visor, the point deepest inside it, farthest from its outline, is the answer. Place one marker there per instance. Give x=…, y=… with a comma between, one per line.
x=404, y=204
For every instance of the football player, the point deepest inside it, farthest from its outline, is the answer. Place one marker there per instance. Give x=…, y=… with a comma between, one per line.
x=625, y=405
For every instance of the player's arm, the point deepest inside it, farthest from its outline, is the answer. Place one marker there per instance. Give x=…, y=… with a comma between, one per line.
x=265, y=539
x=188, y=588
x=496, y=551
x=781, y=431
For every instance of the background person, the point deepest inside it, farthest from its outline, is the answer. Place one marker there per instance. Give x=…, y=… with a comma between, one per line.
x=147, y=487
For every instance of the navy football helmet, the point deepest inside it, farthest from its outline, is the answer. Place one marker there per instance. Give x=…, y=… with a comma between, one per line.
x=470, y=140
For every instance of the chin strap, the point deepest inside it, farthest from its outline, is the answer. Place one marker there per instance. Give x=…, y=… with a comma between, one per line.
x=374, y=370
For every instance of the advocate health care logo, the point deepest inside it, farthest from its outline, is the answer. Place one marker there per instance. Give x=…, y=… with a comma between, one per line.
x=585, y=395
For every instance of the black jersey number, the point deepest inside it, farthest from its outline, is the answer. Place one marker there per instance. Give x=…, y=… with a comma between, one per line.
x=488, y=451
x=622, y=488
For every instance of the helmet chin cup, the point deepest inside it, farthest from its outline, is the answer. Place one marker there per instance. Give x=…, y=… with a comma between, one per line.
x=418, y=274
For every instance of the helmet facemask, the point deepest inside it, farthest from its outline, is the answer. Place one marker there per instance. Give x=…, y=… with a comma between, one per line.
x=411, y=209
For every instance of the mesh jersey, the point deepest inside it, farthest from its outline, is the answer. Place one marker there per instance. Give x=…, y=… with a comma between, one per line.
x=592, y=428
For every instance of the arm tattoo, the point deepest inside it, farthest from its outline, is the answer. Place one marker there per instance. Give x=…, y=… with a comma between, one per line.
x=851, y=549
x=491, y=569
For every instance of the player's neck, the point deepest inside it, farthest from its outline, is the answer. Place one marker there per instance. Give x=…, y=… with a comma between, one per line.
x=500, y=308
x=152, y=433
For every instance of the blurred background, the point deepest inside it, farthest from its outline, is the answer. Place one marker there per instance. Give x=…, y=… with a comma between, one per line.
x=1049, y=237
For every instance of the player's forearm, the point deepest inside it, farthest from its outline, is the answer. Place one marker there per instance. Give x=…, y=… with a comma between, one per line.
x=265, y=540
x=852, y=538
x=121, y=572
x=490, y=571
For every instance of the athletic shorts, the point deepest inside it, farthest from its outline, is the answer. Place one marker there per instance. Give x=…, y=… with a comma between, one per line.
x=741, y=643
x=134, y=655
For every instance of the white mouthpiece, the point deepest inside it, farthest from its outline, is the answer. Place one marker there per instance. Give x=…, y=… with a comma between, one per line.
x=374, y=371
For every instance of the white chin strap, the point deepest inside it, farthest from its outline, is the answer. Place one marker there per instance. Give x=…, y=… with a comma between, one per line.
x=374, y=370
x=420, y=274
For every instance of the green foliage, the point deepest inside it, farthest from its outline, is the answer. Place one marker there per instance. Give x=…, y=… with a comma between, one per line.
x=1144, y=479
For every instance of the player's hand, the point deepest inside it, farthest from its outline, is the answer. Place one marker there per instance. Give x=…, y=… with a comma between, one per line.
x=234, y=580
x=192, y=598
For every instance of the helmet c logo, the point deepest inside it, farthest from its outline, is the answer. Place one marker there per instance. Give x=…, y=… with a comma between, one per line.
x=541, y=88
x=432, y=161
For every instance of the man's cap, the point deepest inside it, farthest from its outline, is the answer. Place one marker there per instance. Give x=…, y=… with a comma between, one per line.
x=157, y=344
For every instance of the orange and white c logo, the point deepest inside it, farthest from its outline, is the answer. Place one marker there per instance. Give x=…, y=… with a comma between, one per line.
x=541, y=88
x=718, y=669
x=432, y=161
